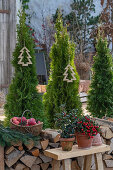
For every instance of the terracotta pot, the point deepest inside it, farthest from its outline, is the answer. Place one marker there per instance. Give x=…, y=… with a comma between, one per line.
x=83, y=141
x=97, y=140
x=67, y=143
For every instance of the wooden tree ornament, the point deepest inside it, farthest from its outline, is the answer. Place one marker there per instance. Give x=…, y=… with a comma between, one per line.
x=66, y=74
x=21, y=57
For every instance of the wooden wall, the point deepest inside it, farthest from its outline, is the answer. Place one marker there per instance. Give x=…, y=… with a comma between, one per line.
x=7, y=41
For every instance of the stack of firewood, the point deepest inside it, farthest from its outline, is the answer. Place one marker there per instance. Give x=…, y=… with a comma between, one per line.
x=2, y=99
x=31, y=156
x=25, y=157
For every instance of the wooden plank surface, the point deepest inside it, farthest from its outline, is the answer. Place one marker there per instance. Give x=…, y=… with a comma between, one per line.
x=7, y=40
x=58, y=154
x=87, y=162
x=2, y=158
x=98, y=161
x=67, y=164
x=4, y=11
x=12, y=37
x=55, y=165
x=83, y=97
x=83, y=100
x=83, y=94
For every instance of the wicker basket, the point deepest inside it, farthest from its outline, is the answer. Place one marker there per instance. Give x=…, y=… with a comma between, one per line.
x=34, y=129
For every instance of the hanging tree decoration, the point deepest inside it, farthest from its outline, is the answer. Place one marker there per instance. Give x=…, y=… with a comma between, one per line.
x=69, y=67
x=21, y=57
x=66, y=74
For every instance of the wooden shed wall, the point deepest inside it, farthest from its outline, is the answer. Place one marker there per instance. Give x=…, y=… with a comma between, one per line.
x=7, y=41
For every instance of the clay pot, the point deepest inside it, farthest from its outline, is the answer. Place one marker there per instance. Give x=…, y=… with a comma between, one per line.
x=83, y=141
x=97, y=140
x=67, y=143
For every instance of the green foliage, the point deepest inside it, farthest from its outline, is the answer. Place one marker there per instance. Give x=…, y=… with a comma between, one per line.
x=58, y=91
x=66, y=122
x=55, y=16
x=100, y=98
x=8, y=136
x=25, y=7
x=25, y=4
x=86, y=126
x=23, y=94
x=81, y=23
x=68, y=131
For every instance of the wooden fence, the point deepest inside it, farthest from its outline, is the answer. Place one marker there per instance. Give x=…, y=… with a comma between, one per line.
x=7, y=41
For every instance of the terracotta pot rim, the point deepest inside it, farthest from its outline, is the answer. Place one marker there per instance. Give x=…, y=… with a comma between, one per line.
x=67, y=139
x=80, y=134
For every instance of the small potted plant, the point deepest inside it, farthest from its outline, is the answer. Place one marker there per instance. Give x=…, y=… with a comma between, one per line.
x=67, y=138
x=65, y=122
x=85, y=130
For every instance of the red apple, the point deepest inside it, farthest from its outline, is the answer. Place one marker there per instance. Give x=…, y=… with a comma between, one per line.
x=15, y=118
x=24, y=119
x=39, y=122
x=27, y=121
x=16, y=122
x=19, y=119
x=32, y=121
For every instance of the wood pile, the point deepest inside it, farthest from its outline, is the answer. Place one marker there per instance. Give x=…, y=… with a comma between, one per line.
x=2, y=99
x=107, y=138
x=31, y=156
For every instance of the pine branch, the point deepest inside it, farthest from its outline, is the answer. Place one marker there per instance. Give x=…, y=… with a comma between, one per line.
x=7, y=136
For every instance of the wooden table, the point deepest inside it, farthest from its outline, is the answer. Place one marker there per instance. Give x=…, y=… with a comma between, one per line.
x=57, y=154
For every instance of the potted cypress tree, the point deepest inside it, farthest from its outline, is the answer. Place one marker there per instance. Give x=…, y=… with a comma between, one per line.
x=100, y=96
x=59, y=91
x=22, y=94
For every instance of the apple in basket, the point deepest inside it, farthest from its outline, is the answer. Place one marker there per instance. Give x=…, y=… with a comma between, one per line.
x=15, y=120
x=19, y=119
x=23, y=121
x=31, y=122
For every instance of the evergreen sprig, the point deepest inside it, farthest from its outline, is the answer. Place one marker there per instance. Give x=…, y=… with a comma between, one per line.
x=7, y=136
